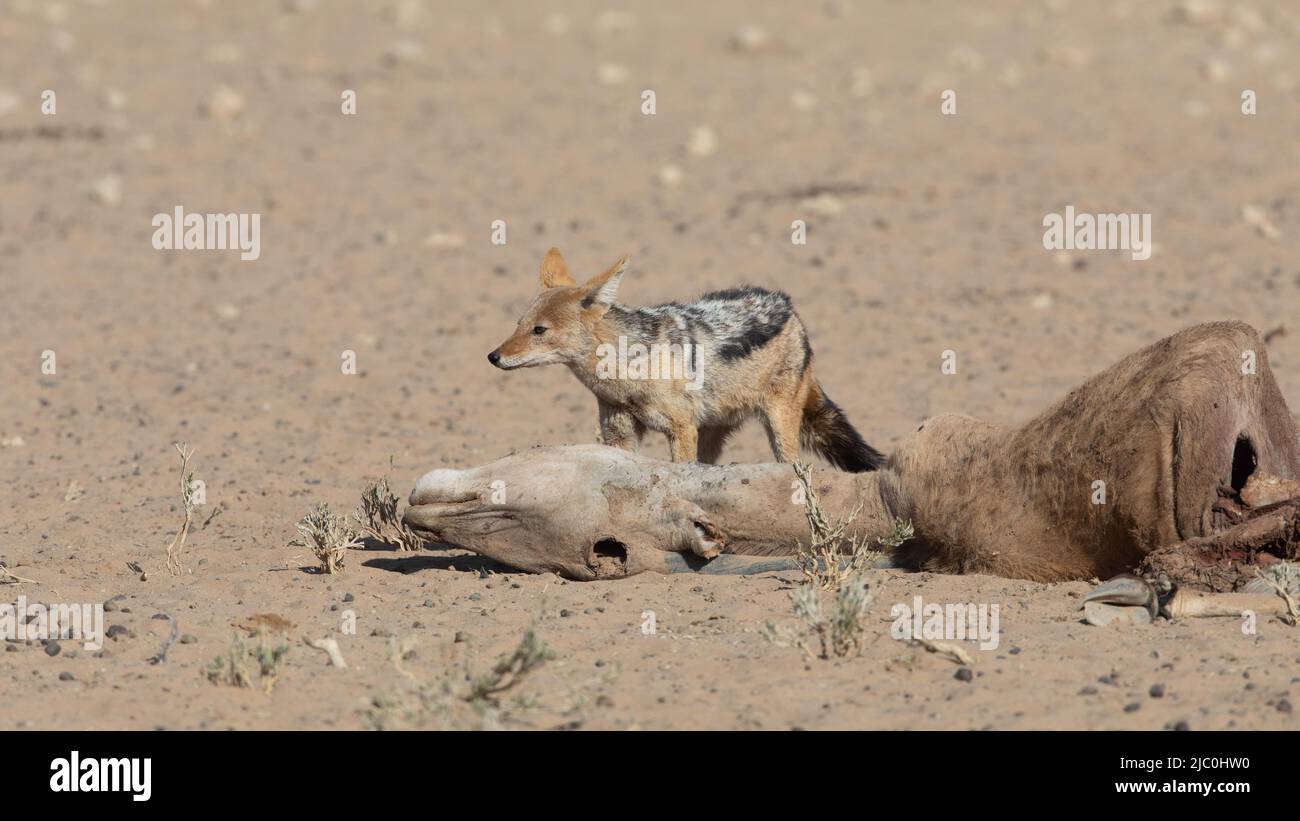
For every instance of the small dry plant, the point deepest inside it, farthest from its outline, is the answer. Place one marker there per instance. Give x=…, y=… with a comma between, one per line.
x=832, y=600
x=247, y=664
x=824, y=562
x=329, y=536
x=460, y=698
x=1285, y=581
x=174, y=550
x=838, y=632
x=378, y=517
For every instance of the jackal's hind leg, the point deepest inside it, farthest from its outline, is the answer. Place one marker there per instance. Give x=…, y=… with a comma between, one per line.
x=683, y=442
x=782, y=423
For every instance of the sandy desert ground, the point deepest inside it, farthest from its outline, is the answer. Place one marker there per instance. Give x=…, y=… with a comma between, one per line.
x=924, y=235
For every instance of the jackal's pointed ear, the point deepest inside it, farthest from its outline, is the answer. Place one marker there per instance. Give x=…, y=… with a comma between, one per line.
x=602, y=289
x=554, y=272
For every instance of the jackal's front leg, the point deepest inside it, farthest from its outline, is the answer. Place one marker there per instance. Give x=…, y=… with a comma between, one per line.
x=619, y=428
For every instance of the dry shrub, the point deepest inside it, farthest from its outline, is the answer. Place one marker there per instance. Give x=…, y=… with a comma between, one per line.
x=831, y=602
x=247, y=664
x=458, y=699
x=329, y=536
x=379, y=519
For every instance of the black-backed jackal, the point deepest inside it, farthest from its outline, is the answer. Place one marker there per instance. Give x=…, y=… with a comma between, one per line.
x=693, y=372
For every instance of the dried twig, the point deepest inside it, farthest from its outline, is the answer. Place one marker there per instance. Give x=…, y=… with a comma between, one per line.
x=174, y=565
x=161, y=655
x=216, y=511
x=9, y=577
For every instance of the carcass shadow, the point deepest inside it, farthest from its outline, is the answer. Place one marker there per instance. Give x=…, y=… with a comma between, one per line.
x=454, y=562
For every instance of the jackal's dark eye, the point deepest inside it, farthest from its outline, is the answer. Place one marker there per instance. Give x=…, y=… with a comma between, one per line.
x=538, y=330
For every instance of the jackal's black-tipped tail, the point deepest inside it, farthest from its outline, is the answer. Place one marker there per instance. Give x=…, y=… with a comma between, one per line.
x=826, y=430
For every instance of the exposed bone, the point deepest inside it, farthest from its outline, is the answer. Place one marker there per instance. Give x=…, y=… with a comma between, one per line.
x=331, y=648
x=1228, y=561
x=1130, y=599
x=952, y=652
x=1194, y=603
x=1158, y=435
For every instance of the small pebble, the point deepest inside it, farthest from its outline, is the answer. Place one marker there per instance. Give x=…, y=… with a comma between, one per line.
x=963, y=674
x=749, y=37
x=439, y=239
x=670, y=176
x=107, y=190
x=611, y=74
x=703, y=142
x=224, y=103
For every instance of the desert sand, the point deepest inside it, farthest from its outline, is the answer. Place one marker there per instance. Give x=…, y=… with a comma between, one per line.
x=924, y=235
